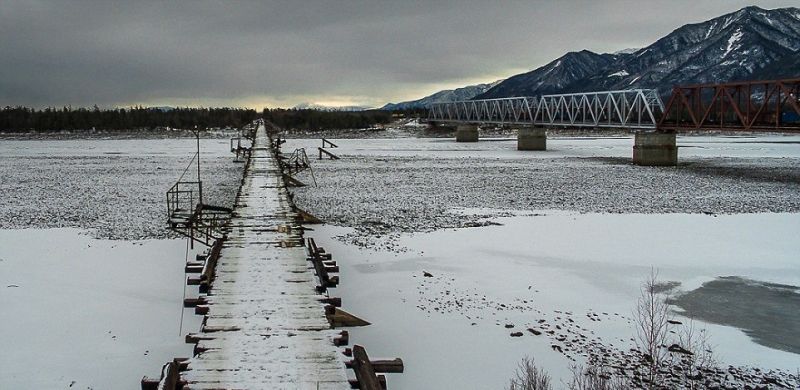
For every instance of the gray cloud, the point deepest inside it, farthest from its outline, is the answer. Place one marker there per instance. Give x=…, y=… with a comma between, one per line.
x=283, y=52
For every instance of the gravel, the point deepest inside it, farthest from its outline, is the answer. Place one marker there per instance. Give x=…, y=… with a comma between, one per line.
x=116, y=195
x=386, y=195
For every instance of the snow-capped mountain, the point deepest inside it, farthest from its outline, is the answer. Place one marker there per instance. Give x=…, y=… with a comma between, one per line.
x=552, y=77
x=321, y=107
x=449, y=95
x=749, y=44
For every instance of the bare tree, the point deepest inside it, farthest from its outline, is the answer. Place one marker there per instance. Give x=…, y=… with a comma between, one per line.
x=698, y=355
x=595, y=378
x=652, y=326
x=530, y=377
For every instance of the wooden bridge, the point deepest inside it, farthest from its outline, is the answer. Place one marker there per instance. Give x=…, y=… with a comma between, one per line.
x=267, y=324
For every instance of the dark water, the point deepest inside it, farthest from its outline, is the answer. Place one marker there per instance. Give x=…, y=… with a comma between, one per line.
x=768, y=312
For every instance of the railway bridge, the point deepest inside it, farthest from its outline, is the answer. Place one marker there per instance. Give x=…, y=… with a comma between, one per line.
x=770, y=106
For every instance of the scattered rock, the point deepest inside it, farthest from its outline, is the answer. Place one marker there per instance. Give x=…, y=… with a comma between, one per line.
x=678, y=349
x=516, y=334
x=427, y=274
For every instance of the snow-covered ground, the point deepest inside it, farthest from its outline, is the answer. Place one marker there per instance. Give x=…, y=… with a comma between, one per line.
x=84, y=313
x=579, y=230
x=80, y=310
x=114, y=187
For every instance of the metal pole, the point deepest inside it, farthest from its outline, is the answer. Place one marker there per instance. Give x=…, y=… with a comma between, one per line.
x=200, y=183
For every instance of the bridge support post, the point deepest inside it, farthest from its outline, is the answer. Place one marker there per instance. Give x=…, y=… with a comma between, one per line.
x=532, y=138
x=467, y=133
x=655, y=149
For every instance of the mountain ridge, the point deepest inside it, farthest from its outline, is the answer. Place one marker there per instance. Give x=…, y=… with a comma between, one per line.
x=751, y=43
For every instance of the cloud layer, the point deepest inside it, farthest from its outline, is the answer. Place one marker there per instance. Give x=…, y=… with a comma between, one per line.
x=284, y=52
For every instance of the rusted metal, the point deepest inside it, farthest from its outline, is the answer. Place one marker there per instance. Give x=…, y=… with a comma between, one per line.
x=771, y=105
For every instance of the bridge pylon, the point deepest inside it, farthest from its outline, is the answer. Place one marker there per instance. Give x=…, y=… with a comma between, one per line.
x=467, y=132
x=655, y=149
x=531, y=138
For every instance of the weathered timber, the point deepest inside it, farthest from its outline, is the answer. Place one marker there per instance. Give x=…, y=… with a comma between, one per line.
x=264, y=325
x=168, y=380
x=327, y=154
x=339, y=318
x=365, y=374
x=389, y=366
x=325, y=143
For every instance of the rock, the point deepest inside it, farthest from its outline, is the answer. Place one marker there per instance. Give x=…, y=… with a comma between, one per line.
x=427, y=274
x=678, y=349
x=674, y=322
x=509, y=326
x=516, y=334
x=534, y=331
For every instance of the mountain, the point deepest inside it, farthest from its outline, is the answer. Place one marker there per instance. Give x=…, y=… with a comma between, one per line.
x=552, y=77
x=320, y=107
x=449, y=95
x=749, y=44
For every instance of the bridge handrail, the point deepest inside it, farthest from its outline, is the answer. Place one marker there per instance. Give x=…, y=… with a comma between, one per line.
x=629, y=108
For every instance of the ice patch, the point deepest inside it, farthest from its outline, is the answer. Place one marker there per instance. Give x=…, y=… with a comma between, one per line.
x=621, y=73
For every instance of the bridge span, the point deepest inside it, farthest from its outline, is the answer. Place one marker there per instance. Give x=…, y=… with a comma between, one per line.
x=741, y=106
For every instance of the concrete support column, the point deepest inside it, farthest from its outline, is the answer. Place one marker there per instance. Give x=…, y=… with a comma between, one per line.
x=532, y=138
x=653, y=149
x=467, y=133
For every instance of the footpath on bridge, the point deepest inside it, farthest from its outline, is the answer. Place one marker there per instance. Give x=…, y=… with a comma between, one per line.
x=265, y=327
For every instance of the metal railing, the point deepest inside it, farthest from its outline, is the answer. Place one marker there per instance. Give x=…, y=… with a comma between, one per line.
x=633, y=108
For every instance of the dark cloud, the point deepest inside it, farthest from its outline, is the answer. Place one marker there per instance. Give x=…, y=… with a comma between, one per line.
x=257, y=53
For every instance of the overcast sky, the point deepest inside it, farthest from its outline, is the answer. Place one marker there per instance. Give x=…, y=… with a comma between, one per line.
x=256, y=54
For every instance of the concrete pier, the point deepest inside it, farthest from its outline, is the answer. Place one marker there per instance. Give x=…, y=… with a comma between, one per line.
x=467, y=133
x=532, y=138
x=655, y=149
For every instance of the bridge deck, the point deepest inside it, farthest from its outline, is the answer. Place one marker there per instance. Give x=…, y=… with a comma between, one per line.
x=265, y=327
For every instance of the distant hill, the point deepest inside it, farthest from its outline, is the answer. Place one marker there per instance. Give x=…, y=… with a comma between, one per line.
x=320, y=107
x=449, y=95
x=749, y=44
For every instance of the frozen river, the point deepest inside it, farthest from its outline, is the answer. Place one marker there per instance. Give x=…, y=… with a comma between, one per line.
x=576, y=266
x=510, y=238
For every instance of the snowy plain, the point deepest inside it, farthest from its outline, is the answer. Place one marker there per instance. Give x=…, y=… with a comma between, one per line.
x=91, y=281
x=571, y=260
x=102, y=313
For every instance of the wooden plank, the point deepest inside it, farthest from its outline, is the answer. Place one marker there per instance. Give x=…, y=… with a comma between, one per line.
x=365, y=374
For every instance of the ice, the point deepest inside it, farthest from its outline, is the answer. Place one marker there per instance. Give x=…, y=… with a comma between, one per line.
x=566, y=236
x=99, y=313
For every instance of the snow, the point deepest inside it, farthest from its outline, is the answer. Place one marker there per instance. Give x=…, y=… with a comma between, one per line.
x=710, y=30
x=398, y=182
x=621, y=73
x=85, y=313
x=575, y=263
x=580, y=228
x=627, y=51
x=113, y=187
x=265, y=289
x=734, y=38
x=83, y=310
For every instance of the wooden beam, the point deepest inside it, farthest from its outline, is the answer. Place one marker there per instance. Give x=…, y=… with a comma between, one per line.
x=384, y=366
x=365, y=374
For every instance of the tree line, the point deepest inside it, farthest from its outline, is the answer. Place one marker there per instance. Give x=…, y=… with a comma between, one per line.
x=21, y=119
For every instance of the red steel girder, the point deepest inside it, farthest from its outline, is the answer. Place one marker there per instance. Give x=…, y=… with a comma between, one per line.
x=770, y=106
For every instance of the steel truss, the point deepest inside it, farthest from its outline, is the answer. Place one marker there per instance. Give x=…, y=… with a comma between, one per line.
x=744, y=106
x=634, y=108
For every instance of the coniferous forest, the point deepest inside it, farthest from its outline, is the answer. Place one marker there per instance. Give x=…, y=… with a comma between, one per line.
x=22, y=119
